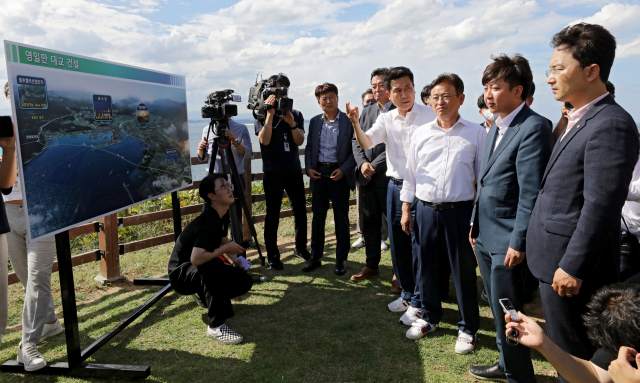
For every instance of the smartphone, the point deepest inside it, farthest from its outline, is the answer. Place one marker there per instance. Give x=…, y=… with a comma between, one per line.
x=508, y=307
x=6, y=127
x=325, y=175
x=568, y=106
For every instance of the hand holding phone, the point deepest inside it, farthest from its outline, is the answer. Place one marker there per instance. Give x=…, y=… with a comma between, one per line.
x=508, y=308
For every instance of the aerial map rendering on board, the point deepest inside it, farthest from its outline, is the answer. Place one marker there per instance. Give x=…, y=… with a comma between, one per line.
x=94, y=137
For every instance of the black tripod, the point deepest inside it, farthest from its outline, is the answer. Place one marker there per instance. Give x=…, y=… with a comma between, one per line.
x=221, y=143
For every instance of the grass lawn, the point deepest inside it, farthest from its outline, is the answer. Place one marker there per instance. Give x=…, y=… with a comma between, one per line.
x=298, y=327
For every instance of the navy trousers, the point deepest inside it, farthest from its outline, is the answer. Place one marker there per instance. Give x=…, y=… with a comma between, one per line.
x=442, y=238
x=325, y=190
x=503, y=282
x=401, y=248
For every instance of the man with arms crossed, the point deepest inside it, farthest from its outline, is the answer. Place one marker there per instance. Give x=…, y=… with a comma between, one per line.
x=442, y=165
x=396, y=129
x=372, y=181
x=573, y=242
x=516, y=151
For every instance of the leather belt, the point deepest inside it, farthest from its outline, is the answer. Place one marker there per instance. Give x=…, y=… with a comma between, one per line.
x=397, y=181
x=446, y=205
x=328, y=164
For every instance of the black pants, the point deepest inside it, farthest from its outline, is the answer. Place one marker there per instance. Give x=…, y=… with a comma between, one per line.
x=274, y=184
x=441, y=238
x=325, y=190
x=214, y=281
x=374, y=205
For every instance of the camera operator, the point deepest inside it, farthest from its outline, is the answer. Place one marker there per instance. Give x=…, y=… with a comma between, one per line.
x=612, y=323
x=32, y=263
x=280, y=135
x=196, y=265
x=240, y=141
x=7, y=178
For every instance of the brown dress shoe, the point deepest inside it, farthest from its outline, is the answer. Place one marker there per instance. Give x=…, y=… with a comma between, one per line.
x=395, y=286
x=366, y=273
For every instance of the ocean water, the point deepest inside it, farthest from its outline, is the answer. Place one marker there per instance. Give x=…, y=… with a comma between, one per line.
x=70, y=182
x=195, y=132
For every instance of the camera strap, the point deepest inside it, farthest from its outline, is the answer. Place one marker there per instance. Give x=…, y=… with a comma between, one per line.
x=625, y=223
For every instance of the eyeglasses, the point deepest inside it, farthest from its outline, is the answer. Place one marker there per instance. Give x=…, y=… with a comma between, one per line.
x=444, y=98
x=226, y=187
x=553, y=71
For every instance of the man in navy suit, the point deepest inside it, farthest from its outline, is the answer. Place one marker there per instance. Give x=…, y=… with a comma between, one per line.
x=330, y=165
x=516, y=152
x=573, y=242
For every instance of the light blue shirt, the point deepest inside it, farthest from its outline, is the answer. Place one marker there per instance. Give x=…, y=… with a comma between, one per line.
x=329, y=139
x=386, y=107
x=242, y=136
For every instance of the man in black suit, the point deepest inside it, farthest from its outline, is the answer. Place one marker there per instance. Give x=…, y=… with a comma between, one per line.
x=330, y=165
x=371, y=169
x=573, y=241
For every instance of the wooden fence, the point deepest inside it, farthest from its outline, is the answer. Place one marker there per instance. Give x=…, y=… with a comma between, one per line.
x=110, y=250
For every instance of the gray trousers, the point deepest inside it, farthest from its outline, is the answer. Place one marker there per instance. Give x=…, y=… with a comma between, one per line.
x=4, y=310
x=32, y=264
x=384, y=230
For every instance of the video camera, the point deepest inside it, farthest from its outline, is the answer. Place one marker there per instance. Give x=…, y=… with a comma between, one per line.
x=218, y=110
x=259, y=93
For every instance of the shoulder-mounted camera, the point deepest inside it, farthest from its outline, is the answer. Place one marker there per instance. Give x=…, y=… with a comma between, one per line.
x=261, y=91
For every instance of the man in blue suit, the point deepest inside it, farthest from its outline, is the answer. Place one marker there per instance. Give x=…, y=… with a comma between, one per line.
x=573, y=242
x=330, y=165
x=516, y=152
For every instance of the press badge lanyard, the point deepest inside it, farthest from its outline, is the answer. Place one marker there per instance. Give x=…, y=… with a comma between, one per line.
x=286, y=141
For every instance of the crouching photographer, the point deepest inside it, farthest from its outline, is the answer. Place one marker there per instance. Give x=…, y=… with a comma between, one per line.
x=613, y=323
x=196, y=265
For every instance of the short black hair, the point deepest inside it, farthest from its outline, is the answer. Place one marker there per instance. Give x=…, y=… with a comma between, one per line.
x=481, y=103
x=281, y=79
x=610, y=88
x=396, y=73
x=613, y=319
x=589, y=44
x=208, y=185
x=452, y=79
x=366, y=92
x=426, y=93
x=378, y=72
x=514, y=70
x=532, y=89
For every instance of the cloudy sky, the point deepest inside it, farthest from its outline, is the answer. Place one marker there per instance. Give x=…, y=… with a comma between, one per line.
x=220, y=44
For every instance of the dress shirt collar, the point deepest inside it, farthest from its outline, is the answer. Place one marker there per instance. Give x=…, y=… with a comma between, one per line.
x=575, y=115
x=324, y=117
x=386, y=107
x=436, y=123
x=503, y=123
x=415, y=109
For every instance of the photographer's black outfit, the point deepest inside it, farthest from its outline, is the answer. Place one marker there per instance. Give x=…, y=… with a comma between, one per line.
x=282, y=172
x=214, y=281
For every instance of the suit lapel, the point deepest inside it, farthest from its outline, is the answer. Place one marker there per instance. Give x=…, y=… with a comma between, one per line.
x=578, y=127
x=511, y=132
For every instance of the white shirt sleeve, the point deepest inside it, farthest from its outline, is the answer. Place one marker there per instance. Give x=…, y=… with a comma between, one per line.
x=408, y=192
x=634, y=187
x=378, y=132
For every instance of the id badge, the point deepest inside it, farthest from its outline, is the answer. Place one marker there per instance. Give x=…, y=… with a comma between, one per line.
x=286, y=146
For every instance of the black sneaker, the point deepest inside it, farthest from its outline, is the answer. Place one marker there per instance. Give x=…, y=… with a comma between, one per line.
x=275, y=263
x=302, y=254
x=494, y=373
x=311, y=265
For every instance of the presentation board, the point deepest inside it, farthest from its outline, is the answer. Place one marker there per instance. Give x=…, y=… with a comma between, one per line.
x=94, y=137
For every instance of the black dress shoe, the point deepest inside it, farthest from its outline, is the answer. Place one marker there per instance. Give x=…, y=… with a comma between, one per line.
x=311, y=265
x=275, y=263
x=340, y=269
x=494, y=373
x=302, y=254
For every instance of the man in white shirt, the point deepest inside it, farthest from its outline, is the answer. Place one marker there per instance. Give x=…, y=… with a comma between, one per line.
x=396, y=128
x=442, y=165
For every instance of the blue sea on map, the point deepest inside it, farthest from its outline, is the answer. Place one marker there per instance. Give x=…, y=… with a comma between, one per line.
x=86, y=182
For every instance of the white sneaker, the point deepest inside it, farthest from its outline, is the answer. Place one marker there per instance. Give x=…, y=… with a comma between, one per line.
x=384, y=246
x=50, y=330
x=465, y=343
x=224, y=334
x=420, y=328
x=411, y=315
x=31, y=357
x=358, y=243
x=399, y=305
